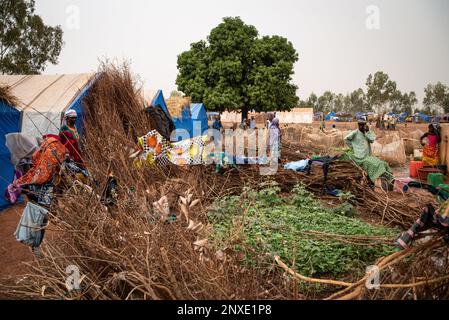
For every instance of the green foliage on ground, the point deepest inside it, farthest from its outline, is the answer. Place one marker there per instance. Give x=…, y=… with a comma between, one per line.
x=274, y=225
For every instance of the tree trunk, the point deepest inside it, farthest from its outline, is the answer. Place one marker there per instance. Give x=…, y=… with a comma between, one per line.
x=244, y=114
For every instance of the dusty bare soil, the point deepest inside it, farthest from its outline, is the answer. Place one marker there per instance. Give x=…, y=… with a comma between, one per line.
x=13, y=254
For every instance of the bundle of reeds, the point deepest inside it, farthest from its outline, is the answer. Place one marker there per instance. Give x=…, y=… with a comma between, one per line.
x=153, y=243
x=177, y=104
x=7, y=97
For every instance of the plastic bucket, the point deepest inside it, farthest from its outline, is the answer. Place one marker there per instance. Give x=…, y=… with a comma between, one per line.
x=435, y=179
x=414, y=167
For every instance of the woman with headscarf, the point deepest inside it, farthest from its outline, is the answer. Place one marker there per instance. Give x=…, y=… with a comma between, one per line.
x=430, y=151
x=69, y=136
x=274, y=139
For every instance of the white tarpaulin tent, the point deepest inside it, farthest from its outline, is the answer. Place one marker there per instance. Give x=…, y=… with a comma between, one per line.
x=43, y=99
x=296, y=115
x=235, y=117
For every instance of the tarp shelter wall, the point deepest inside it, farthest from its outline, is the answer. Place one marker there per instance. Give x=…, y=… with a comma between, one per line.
x=183, y=124
x=9, y=123
x=199, y=119
x=330, y=115
x=160, y=100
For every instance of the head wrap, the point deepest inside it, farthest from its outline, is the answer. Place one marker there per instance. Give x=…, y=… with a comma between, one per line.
x=70, y=114
x=275, y=123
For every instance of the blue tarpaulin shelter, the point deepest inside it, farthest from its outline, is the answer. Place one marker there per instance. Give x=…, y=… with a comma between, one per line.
x=330, y=115
x=9, y=123
x=403, y=116
x=199, y=119
x=184, y=124
x=421, y=117
x=160, y=100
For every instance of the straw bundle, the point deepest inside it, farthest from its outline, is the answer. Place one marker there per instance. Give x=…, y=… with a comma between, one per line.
x=133, y=250
x=176, y=105
x=7, y=97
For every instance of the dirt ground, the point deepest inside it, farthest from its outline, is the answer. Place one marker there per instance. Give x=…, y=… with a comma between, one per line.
x=12, y=252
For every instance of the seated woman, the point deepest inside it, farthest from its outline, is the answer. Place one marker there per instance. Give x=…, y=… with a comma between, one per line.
x=430, y=151
x=360, y=141
x=430, y=218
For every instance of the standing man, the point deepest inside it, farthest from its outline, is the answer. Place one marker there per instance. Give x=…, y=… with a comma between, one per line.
x=323, y=124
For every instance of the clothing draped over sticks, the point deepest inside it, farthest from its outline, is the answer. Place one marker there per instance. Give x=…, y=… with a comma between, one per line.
x=30, y=229
x=158, y=150
x=20, y=146
x=360, y=144
x=46, y=163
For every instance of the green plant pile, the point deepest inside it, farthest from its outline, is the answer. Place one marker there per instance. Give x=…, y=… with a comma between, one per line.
x=265, y=224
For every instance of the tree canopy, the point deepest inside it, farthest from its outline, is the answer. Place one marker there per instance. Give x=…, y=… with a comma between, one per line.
x=26, y=43
x=381, y=96
x=235, y=69
x=436, y=97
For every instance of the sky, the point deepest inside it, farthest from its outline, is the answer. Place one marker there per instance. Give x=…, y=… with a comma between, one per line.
x=339, y=42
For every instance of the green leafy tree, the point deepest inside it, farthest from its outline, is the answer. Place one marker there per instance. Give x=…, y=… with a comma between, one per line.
x=339, y=103
x=326, y=102
x=356, y=102
x=381, y=91
x=235, y=69
x=312, y=101
x=436, y=97
x=396, y=100
x=408, y=101
x=26, y=43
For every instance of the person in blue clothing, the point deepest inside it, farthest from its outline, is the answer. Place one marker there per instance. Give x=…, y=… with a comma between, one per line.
x=217, y=124
x=218, y=127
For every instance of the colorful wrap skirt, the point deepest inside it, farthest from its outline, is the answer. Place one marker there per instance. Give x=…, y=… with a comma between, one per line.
x=430, y=155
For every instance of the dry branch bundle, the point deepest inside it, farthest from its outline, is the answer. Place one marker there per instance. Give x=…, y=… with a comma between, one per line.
x=131, y=250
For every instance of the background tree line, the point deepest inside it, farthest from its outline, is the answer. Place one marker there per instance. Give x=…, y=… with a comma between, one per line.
x=381, y=95
x=27, y=44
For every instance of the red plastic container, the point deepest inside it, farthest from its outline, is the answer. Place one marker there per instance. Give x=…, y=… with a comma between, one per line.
x=414, y=167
